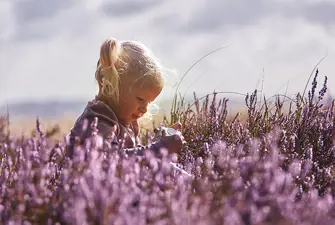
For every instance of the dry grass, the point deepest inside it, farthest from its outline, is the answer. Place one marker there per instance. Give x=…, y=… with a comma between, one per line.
x=25, y=126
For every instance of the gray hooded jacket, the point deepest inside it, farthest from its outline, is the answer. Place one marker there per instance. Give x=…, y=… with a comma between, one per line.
x=109, y=127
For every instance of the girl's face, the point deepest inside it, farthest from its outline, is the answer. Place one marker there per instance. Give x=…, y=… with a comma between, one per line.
x=135, y=97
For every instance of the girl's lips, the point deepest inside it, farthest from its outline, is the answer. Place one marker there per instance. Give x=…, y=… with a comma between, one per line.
x=135, y=117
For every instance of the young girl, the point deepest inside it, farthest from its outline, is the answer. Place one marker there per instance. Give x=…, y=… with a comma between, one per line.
x=129, y=78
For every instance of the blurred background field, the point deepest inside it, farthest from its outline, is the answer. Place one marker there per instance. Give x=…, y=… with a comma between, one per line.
x=62, y=115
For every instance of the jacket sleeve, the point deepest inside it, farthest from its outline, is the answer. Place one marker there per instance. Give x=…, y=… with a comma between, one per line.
x=139, y=150
x=107, y=131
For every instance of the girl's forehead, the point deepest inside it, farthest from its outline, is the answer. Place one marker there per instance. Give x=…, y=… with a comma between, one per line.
x=149, y=90
x=147, y=82
x=150, y=86
x=144, y=81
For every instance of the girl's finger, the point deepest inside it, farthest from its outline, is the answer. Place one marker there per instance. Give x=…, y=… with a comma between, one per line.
x=176, y=126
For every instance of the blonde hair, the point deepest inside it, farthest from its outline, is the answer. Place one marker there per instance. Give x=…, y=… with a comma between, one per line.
x=120, y=58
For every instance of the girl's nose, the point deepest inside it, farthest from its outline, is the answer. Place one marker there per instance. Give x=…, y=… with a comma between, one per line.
x=143, y=109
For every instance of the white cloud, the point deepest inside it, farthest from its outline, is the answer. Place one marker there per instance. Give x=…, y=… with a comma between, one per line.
x=53, y=55
x=7, y=22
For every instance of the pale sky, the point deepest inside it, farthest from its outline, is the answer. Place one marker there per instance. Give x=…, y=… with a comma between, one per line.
x=49, y=49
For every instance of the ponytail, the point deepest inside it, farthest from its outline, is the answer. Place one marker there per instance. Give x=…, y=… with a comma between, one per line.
x=107, y=75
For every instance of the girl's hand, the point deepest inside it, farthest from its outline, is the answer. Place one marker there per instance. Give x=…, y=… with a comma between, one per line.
x=171, y=138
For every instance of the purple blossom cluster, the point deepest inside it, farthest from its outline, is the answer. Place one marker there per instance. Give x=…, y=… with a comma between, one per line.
x=276, y=167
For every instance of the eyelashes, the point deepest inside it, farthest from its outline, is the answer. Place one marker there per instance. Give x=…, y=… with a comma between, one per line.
x=142, y=100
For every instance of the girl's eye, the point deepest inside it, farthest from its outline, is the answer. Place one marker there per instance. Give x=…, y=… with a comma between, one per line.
x=140, y=99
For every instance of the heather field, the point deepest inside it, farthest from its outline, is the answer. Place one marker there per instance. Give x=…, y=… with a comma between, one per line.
x=272, y=165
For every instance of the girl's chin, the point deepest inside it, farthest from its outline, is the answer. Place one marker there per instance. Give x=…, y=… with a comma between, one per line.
x=130, y=120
